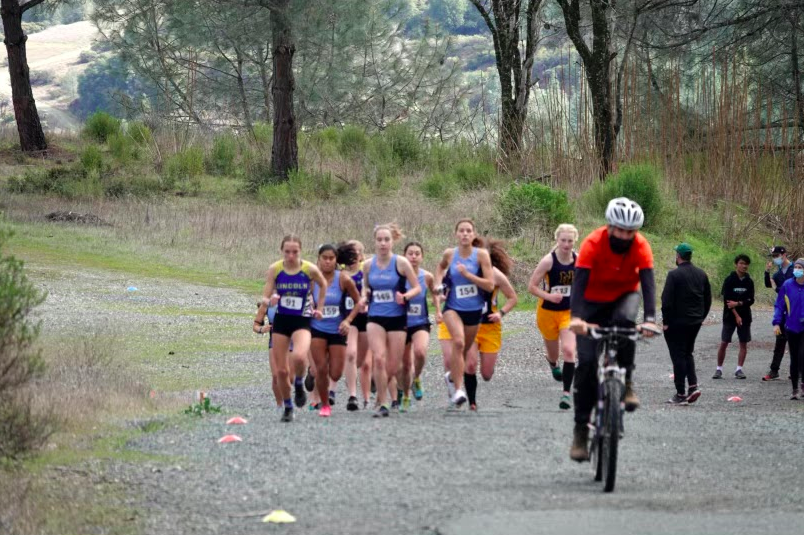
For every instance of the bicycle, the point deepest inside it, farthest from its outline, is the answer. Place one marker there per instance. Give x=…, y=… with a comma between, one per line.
x=608, y=421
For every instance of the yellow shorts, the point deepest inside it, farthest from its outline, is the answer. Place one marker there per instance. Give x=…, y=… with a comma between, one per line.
x=488, y=339
x=551, y=321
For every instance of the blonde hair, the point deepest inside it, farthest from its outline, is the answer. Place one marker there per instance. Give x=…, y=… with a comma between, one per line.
x=566, y=227
x=393, y=228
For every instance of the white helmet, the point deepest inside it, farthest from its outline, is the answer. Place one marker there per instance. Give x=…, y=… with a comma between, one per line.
x=624, y=213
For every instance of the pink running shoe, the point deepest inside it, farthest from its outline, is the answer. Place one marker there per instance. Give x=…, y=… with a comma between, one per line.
x=325, y=411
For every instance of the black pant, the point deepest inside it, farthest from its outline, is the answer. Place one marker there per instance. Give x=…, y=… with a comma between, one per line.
x=621, y=313
x=778, y=350
x=796, y=341
x=681, y=343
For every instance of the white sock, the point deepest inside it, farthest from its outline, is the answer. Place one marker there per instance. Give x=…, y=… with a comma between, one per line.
x=738, y=368
x=720, y=368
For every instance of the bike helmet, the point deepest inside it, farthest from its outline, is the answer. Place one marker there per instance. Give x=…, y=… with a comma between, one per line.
x=624, y=213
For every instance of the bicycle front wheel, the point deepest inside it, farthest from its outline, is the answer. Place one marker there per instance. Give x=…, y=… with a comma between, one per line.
x=611, y=432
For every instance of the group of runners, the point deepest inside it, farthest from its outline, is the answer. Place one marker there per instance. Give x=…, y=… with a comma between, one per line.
x=368, y=318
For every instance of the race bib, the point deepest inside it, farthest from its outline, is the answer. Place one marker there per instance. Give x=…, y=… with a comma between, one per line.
x=465, y=290
x=415, y=310
x=350, y=303
x=383, y=296
x=330, y=312
x=291, y=303
x=561, y=290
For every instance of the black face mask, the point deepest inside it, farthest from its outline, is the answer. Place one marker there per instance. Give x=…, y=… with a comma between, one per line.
x=620, y=246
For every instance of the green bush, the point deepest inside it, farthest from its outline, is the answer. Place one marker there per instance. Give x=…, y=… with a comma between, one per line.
x=138, y=186
x=257, y=168
x=522, y=205
x=56, y=180
x=21, y=430
x=122, y=148
x=263, y=133
x=440, y=187
x=326, y=142
x=185, y=165
x=299, y=187
x=92, y=158
x=638, y=182
x=224, y=151
x=100, y=125
x=404, y=144
x=353, y=142
x=277, y=196
x=474, y=175
x=139, y=132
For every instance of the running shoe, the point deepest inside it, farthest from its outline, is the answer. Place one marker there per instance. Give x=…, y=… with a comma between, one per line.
x=796, y=394
x=450, y=386
x=459, y=398
x=365, y=404
x=473, y=407
x=352, y=405
x=287, y=415
x=332, y=398
x=693, y=396
x=565, y=402
x=309, y=381
x=556, y=371
x=739, y=374
x=314, y=406
x=325, y=411
x=382, y=412
x=677, y=399
x=300, y=399
x=418, y=392
x=718, y=374
x=395, y=404
x=771, y=376
x=405, y=406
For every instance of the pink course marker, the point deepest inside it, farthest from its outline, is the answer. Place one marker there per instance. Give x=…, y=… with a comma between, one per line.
x=236, y=420
x=735, y=399
x=229, y=438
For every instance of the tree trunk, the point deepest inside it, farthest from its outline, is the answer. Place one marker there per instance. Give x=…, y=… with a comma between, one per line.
x=32, y=137
x=284, y=152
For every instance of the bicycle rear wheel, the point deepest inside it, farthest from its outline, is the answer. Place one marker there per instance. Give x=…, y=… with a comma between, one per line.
x=596, y=457
x=611, y=432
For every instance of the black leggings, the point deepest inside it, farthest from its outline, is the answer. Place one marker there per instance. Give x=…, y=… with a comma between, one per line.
x=681, y=343
x=796, y=341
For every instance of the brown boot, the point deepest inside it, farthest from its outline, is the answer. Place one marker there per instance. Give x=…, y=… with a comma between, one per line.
x=580, y=443
x=631, y=399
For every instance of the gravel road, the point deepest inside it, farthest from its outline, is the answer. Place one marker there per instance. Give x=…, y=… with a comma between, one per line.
x=715, y=467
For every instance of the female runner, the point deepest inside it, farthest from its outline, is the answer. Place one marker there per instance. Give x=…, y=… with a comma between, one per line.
x=557, y=269
x=358, y=356
x=467, y=272
x=328, y=345
x=291, y=280
x=385, y=277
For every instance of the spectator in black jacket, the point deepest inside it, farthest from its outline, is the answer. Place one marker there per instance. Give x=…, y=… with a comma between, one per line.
x=775, y=281
x=738, y=296
x=686, y=300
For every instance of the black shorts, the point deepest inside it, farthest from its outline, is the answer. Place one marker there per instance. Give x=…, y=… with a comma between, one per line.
x=392, y=323
x=416, y=328
x=743, y=333
x=469, y=318
x=360, y=322
x=287, y=325
x=336, y=339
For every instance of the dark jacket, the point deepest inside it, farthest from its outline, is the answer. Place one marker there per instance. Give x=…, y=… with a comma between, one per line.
x=735, y=289
x=779, y=277
x=687, y=296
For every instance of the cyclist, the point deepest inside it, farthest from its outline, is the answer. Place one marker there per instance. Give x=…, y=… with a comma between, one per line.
x=468, y=272
x=328, y=345
x=385, y=277
x=291, y=280
x=557, y=269
x=612, y=263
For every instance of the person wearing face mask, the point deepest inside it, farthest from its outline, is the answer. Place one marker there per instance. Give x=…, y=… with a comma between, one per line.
x=613, y=262
x=783, y=272
x=788, y=314
x=686, y=300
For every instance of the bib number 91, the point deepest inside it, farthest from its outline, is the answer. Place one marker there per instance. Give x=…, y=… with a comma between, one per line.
x=291, y=303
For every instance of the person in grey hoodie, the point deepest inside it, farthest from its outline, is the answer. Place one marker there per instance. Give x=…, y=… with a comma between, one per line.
x=791, y=301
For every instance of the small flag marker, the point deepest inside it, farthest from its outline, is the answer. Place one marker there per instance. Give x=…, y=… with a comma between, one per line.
x=229, y=438
x=237, y=420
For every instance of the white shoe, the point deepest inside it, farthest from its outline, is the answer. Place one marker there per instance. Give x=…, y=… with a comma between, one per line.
x=450, y=386
x=459, y=398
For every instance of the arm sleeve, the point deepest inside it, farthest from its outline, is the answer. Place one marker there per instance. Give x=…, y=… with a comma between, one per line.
x=648, y=293
x=778, y=308
x=768, y=280
x=707, y=296
x=667, y=298
x=579, y=282
x=724, y=290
